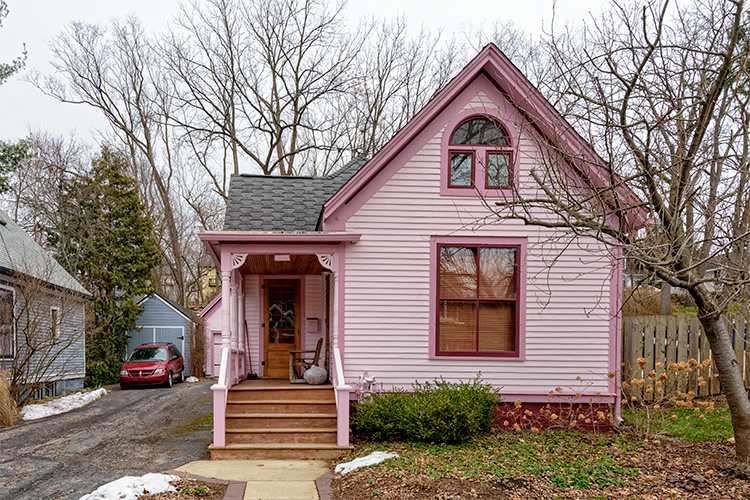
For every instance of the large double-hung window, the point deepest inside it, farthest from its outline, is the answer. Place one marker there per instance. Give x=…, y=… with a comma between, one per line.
x=478, y=300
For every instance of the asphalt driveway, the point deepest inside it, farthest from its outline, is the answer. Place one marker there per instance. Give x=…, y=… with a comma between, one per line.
x=124, y=433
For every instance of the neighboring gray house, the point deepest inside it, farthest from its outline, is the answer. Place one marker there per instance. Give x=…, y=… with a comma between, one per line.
x=42, y=317
x=164, y=320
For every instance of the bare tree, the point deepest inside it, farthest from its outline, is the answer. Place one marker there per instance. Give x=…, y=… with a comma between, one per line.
x=119, y=75
x=255, y=77
x=661, y=91
x=395, y=75
x=33, y=197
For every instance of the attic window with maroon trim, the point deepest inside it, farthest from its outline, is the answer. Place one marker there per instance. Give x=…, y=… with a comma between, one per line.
x=480, y=156
x=478, y=301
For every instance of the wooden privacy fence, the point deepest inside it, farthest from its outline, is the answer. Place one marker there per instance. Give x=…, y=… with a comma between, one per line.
x=670, y=345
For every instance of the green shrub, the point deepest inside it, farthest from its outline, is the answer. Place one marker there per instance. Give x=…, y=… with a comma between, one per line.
x=434, y=412
x=99, y=373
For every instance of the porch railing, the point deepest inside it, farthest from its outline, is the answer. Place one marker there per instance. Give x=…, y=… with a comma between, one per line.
x=342, y=399
x=220, y=390
x=230, y=373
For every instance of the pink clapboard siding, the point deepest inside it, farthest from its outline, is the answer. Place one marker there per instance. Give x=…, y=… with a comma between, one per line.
x=387, y=275
x=211, y=324
x=314, y=309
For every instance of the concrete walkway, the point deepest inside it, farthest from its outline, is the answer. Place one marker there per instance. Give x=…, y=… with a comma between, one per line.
x=266, y=479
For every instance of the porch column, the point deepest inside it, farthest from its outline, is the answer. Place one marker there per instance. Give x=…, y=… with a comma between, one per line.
x=241, y=322
x=233, y=317
x=233, y=339
x=225, y=307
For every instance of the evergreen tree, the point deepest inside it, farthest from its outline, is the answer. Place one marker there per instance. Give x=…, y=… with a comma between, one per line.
x=11, y=157
x=103, y=236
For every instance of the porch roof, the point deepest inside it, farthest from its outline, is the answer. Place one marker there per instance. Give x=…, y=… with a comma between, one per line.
x=261, y=242
x=283, y=203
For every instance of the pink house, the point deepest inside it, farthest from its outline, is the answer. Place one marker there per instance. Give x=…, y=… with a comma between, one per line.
x=395, y=264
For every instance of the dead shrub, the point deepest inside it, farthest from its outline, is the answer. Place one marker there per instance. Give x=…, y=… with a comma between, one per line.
x=197, y=351
x=641, y=301
x=8, y=410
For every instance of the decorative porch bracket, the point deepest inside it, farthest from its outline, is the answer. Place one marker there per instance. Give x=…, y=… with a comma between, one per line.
x=238, y=259
x=326, y=260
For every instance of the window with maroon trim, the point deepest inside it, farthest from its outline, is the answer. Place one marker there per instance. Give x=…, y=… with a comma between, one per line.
x=478, y=301
x=479, y=142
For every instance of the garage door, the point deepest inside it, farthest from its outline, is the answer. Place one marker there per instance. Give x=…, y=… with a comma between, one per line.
x=161, y=334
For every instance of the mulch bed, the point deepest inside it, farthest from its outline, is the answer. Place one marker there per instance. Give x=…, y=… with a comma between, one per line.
x=188, y=489
x=667, y=469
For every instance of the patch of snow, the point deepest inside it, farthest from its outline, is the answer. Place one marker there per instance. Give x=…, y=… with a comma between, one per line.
x=131, y=487
x=373, y=458
x=61, y=405
x=192, y=380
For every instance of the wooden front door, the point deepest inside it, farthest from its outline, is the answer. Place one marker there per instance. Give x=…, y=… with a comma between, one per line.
x=281, y=325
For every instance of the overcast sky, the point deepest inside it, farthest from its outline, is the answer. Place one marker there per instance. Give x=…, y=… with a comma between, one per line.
x=34, y=22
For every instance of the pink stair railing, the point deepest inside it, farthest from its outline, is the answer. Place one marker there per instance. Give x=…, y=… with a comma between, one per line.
x=342, y=399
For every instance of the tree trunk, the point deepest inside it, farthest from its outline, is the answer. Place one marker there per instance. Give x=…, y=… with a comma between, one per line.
x=719, y=335
x=665, y=307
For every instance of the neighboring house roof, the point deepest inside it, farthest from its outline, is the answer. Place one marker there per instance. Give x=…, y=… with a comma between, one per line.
x=176, y=306
x=19, y=253
x=281, y=203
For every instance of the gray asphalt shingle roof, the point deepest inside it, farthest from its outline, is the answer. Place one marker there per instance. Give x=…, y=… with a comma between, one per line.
x=19, y=253
x=282, y=204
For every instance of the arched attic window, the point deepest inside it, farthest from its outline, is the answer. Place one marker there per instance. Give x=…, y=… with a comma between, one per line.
x=479, y=155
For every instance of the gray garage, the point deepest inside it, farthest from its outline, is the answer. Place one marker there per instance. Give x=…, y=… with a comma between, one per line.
x=164, y=320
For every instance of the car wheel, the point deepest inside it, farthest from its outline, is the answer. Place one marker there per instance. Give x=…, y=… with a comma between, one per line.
x=169, y=380
x=124, y=387
x=181, y=377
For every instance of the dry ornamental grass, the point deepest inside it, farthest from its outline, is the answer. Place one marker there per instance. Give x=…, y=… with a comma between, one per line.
x=8, y=410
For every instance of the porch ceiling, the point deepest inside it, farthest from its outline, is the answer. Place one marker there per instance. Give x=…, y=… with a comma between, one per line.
x=296, y=265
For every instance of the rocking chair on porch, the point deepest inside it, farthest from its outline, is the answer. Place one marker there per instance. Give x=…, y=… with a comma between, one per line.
x=297, y=359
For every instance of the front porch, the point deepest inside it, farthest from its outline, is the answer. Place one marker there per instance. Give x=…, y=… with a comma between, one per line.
x=279, y=294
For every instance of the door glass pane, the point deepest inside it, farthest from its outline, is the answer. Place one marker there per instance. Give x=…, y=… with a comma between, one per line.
x=461, y=169
x=497, y=326
x=458, y=326
x=497, y=273
x=281, y=320
x=497, y=170
x=458, y=273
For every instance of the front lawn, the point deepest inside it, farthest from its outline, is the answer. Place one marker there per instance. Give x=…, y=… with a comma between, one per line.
x=558, y=464
x=686, y=423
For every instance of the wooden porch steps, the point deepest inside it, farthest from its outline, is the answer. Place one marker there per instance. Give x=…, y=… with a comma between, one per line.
x=278, y=451
x=278, y=420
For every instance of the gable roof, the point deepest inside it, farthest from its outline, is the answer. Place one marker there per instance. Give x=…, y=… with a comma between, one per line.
x=282, y=203
x=19, y=253
x=540, y=114
x=175, y=306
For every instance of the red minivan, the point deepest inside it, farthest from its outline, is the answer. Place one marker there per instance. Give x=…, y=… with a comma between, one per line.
x=152, y=364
